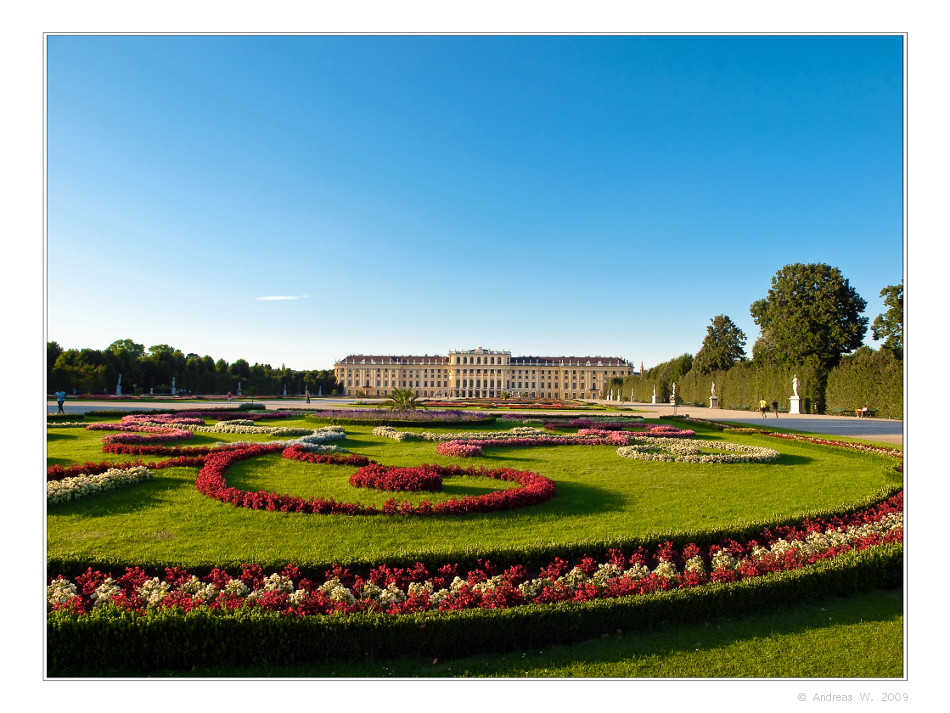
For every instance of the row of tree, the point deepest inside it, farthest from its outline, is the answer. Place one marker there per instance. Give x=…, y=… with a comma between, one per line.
x=810, y=324
x=96, y=371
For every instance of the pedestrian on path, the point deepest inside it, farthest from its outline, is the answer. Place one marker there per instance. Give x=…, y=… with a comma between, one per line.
x=229, y=397
x=60, y=398
x=775, y=408
x=763, y=405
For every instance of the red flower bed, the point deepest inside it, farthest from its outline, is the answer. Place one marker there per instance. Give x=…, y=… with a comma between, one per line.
x=486, y=587
x=381, y=477
x=211, y=482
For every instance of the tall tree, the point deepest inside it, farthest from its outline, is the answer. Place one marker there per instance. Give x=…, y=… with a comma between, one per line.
x=889, y=326
x=723, y=346
x=811, y=313
x=53, y=350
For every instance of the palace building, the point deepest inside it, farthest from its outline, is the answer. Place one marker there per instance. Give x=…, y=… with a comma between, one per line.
x=480, y=373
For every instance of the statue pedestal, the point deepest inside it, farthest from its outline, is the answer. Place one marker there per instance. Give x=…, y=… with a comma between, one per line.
x=713, y=402
x=794, y=404
x=654, y=399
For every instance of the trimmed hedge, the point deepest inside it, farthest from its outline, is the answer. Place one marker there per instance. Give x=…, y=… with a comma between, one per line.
x=112, y=642
x=64, y=417
x=866, y=378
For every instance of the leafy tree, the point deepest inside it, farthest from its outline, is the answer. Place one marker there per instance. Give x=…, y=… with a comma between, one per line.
x=889, y=326
x=401, y=400
x=811, y=314
x=53, y=350
x=723, y=346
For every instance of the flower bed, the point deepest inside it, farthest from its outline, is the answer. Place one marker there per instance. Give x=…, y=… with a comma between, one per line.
x=534, y=489
x=379, y=415
x=459, y=449
x=80, y=486
x=380, y=477
x=397, y=591
x=662, y=449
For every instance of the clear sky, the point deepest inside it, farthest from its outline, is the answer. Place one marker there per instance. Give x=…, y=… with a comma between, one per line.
x=292, y=200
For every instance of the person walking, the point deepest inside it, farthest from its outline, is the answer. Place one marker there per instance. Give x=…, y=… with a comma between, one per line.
x=763, y=405
x=60, y=398
x=775, y=408
x=229, y=397
x=308, y=394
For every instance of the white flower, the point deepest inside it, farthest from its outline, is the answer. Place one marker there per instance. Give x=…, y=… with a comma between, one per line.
x=665, y=569
x=153, y=591
x=60, y=591
x=278, y=583
x=237, y=587
x=605, y=573
x=105, y=592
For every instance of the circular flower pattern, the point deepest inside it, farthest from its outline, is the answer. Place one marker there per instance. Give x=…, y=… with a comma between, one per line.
x=663, y=449
x=533, y=488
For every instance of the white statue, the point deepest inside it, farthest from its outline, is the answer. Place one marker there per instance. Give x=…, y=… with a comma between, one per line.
x=118, y=386
x=795, y=384
x=713, y=391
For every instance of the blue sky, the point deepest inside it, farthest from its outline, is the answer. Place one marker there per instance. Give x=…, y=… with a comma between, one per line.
x=549, y=195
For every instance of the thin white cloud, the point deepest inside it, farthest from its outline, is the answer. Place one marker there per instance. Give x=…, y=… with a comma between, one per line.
x=281, y=297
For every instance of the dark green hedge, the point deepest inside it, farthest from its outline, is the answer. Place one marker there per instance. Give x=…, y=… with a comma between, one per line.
x=64, y=417
x=110, y=642
x=866, y=378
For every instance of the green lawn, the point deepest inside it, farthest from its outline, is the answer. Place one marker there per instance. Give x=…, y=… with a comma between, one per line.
x=600, y=497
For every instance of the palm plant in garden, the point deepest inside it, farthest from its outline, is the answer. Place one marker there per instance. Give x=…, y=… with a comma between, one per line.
x=401, y=400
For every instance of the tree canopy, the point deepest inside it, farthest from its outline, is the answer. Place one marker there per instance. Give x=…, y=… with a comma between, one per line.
x=723, y=346
x=811, y=313
x=889, y=327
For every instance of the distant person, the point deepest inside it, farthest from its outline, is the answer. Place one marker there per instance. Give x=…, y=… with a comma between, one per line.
x=775, y=408
x=308, y=395
x=229, y=397
x=763, y=405
x=60, y=399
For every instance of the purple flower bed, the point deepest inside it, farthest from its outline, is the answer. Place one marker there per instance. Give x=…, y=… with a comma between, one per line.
x=381, y=414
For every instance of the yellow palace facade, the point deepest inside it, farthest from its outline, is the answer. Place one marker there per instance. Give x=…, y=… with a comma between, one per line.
x=479, y=373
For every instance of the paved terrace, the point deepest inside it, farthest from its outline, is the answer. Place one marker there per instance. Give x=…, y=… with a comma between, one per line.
x=873, y=429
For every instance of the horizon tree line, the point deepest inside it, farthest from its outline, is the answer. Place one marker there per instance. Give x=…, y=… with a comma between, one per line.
x=144, y=371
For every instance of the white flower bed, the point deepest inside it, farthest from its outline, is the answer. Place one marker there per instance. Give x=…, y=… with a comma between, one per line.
x=60, y=491
x=688, y=451
x=517, y=432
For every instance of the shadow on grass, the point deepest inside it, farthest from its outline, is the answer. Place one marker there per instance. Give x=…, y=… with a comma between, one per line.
x=127, y=499
x=789, y=642
x=54, y=437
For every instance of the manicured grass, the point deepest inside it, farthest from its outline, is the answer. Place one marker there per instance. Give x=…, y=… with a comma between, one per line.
x=600, y=497
x=803, y=641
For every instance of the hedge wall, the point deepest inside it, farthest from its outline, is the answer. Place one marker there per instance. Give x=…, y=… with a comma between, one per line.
x=866, y=378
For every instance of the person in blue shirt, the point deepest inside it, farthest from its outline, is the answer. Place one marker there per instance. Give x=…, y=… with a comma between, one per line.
x=60, y=398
